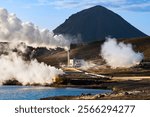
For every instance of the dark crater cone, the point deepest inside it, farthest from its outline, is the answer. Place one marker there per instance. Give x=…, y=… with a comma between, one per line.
x=96, y=23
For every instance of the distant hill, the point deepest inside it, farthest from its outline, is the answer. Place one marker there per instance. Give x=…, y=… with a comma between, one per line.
x=96, y=23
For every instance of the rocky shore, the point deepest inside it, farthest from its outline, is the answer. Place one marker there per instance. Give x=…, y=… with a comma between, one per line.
x=124, y=86
x=137, y=89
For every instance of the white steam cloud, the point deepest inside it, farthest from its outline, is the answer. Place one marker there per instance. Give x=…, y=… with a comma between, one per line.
x=12, y=64
x=14, y=67
x=87, y=65
x=12, y=29
x=120, y=55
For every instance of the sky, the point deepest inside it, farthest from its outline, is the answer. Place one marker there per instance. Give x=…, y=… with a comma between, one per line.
x=51, y=13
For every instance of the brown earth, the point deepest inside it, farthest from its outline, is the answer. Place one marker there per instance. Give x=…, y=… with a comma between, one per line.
x=123, y=83
x=92, y=51
x=122, y=90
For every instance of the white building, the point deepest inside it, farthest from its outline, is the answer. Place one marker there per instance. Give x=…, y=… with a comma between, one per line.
x=76, y=62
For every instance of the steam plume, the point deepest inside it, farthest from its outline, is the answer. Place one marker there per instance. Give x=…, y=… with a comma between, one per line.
x=119, y=55
x=87, y=65
x=12, y=64
x=12, y=29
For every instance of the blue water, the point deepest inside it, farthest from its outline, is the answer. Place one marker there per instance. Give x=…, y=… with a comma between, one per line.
x=33, y=93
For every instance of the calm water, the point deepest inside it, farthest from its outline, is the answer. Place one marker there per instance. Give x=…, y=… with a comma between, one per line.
x=31, y=93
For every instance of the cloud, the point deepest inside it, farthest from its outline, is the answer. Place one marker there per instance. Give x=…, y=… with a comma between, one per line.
x=140, y=7
x=130, y=5
x=65, y=3
x=80, y=3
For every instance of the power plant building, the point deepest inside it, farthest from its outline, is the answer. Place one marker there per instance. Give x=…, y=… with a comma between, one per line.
x=76, y=62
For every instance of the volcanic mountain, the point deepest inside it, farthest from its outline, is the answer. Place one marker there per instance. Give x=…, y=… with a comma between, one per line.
x=96, y=23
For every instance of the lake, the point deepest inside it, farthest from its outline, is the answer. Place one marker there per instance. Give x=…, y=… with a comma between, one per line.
x=34, y=92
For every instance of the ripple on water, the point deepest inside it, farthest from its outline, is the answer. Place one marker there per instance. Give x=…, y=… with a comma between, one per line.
x=32, y=93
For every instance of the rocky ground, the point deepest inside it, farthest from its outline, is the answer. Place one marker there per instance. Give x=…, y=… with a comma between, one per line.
x=122, y=90
x=123, y=87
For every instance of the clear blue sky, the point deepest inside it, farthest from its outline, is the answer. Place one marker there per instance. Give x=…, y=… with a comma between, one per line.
x=51, y=13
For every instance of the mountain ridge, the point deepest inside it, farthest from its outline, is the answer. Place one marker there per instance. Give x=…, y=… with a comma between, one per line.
x=96, y=23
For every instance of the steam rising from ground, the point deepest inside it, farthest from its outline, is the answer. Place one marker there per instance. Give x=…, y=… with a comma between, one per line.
x=12, y=29
x=120, y=55
x=12, y=64
x=87, y=65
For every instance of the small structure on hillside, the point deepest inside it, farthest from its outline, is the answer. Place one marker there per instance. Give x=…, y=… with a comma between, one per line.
x=76, y=62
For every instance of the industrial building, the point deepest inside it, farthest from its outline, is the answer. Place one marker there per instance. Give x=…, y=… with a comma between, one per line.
x=75, y=62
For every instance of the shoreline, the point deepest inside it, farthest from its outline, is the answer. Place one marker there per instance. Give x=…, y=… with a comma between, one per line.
x=126, y=89
x=123, y=87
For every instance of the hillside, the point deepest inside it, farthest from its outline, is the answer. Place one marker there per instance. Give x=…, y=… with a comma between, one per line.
x=91, y=51
x=96, y=23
